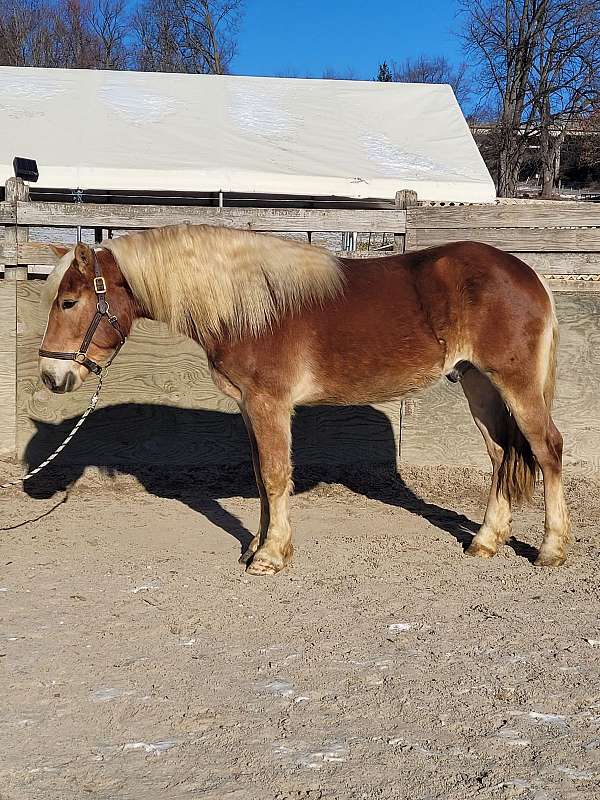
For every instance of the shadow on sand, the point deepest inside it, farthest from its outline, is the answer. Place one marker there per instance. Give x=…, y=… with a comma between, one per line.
x=352, y=446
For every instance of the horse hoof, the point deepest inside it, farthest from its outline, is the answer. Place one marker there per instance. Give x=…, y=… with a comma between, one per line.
x=259, y=567
x=480, y=550
x=550, y=560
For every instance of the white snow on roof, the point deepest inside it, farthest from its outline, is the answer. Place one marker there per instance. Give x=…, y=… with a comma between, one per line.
x=163, y=132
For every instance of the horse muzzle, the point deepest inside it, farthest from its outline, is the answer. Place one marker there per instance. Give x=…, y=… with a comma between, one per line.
x=60, y=377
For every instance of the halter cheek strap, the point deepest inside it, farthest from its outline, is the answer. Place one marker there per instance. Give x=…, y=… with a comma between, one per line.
x=102, y=310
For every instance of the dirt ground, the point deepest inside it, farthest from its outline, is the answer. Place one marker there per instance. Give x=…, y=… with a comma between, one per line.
x=137, y=660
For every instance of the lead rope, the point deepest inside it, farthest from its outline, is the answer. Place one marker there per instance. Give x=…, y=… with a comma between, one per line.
x=61, y=447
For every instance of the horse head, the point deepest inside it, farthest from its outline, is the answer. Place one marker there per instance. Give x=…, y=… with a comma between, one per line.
x=90, y=312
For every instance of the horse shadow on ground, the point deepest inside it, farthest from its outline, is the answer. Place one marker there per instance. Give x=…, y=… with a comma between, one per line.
x=201, y=456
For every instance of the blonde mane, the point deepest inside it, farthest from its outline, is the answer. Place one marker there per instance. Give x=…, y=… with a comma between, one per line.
x=205, y=280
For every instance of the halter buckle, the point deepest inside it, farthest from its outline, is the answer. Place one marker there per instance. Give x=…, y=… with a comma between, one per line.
x=100, y=285
x=79, y=357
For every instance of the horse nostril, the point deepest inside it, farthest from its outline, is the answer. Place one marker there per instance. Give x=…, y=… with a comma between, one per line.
x=48, y=380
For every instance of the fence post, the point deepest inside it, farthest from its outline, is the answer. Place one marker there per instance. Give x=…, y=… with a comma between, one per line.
x=404, y=199
x=16, y=191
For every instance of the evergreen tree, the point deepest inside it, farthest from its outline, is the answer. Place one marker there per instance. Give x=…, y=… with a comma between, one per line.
x=384, y=73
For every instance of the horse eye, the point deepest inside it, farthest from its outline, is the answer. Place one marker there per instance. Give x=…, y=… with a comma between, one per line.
x=68, y=303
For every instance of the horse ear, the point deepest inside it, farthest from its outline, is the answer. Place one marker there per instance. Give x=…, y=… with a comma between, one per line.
x=84, y=259
x=58, y=250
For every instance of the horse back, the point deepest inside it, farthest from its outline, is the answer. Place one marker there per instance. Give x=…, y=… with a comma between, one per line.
x=400, y=323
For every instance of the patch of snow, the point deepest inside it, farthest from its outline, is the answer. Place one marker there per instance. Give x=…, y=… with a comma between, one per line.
x=109, y=693
x=549, y=719
x=138, y=106
x=144, y=587
x=155, y=748
x=398, y=627
x=263, y=112
x=577, y=774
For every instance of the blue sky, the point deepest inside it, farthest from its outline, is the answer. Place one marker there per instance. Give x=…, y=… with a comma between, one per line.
x=309, y=36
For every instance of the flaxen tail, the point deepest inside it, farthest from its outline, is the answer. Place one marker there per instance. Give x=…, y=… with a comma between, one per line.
x=551, y=370
x=519, y=468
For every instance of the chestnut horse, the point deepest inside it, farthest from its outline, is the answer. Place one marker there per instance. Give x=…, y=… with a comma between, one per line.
x=284, y=323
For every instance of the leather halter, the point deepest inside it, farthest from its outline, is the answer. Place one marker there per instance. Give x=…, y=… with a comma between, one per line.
x=102, y=310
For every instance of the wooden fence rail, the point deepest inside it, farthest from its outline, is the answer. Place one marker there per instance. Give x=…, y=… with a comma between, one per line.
x=256, y=219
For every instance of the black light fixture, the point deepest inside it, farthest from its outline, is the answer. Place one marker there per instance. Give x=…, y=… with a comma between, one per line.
x=26, y=168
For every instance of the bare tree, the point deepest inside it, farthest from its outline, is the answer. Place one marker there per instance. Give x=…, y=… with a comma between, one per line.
x=70, y=24
x=590, y=149
x=539, y=59
x=502, y=38
x=187, y=35
x=334, y=74
x=158, y=45
x=434, y=69
x=110, y=21
x=26, y=34
x=565, y=80
x=86, y=34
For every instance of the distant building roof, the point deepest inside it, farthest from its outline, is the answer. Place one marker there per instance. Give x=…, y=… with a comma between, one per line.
x=128, y=131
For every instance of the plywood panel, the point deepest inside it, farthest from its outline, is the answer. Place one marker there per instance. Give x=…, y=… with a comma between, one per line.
x=8, y=325
x=438, y=428
x=159, y=406
x=577, y=406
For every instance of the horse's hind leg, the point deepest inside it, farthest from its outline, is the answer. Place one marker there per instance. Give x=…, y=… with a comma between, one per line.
x=488, y=410
x=535, y=423
x=270, y=422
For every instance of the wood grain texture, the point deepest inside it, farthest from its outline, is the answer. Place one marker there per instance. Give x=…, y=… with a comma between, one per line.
x=257, y=219
x=403, y=200
x=25, y=252
x=439, y=429
x=545, y=240
x=159, y=406
x=577, y=406
x=562, y=263
x=8, y=214
x=559, y=285
x=8, y=328
x=550, y=215
x=42, y=260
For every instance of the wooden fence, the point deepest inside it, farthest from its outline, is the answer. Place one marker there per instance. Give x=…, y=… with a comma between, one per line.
x=160, y=407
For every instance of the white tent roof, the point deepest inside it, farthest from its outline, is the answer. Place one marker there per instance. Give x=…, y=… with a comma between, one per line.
x=163, y=132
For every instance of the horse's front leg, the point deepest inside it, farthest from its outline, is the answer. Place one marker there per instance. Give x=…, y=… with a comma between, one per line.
x=270, y=422
x=263, y=526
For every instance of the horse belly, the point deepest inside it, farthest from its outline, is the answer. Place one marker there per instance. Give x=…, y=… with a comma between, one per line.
x=373, y=369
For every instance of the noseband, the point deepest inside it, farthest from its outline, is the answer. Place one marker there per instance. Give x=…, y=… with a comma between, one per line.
x=102, y=310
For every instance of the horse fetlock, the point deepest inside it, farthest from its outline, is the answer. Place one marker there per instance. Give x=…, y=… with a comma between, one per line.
x=488, y=539
x=249, y=551
x=270, y=558
x=551, y=557
x=481, y=550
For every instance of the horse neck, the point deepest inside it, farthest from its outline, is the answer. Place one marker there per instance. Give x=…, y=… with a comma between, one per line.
x=123, y=304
